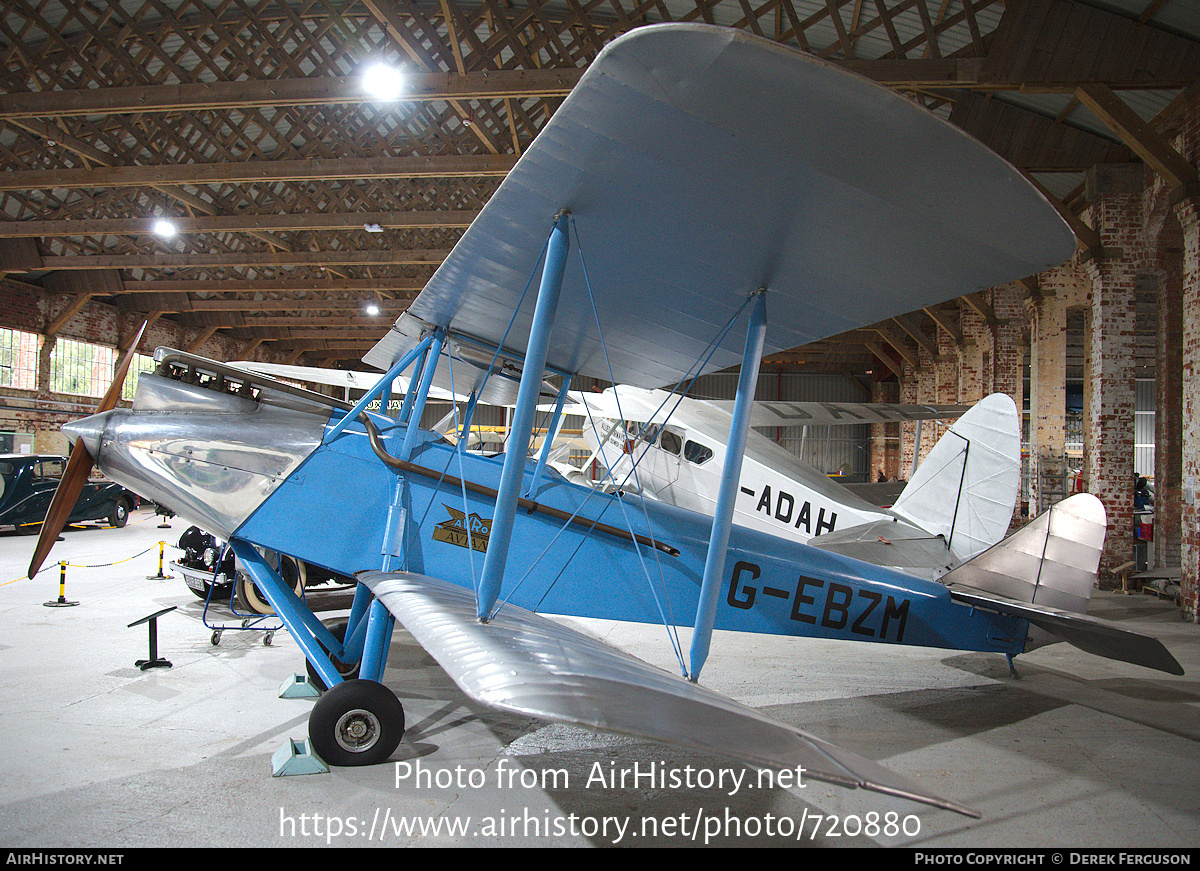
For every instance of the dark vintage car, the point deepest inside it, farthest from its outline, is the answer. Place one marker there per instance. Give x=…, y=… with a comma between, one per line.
x=28, y=482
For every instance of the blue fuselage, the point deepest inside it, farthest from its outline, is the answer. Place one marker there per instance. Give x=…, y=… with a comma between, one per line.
x=345, y=509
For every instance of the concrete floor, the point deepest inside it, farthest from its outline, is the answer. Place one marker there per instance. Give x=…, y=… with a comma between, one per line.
x=1080, y=752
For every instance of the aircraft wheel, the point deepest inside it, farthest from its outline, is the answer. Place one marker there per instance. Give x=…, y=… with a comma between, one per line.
x=358, y=722
x=347, y=670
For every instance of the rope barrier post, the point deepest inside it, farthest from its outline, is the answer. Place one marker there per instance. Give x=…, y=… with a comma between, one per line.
x=160, y=576
x=62, y=589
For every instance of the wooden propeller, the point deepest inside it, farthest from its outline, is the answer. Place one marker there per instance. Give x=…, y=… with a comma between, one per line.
x=79, y=467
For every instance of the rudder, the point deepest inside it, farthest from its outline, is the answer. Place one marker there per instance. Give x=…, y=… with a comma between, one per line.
x=979, y=459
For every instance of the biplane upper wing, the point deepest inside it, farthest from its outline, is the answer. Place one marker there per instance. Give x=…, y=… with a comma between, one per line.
x=701, y=164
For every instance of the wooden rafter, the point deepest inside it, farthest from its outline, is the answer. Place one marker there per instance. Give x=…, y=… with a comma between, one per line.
x=1139, y=135
x=225, y=96
x=246, y=122
x=357, y=221
x=261, y=172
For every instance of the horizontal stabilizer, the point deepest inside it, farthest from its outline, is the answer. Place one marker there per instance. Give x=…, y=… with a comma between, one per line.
x=1087, y=633
x=1045, y=572
x=890, y=543
x=527, y=664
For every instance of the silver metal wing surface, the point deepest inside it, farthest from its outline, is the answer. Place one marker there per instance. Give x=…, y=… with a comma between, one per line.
x=525, y=663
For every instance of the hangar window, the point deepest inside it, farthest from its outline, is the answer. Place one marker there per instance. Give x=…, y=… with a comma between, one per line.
x=19, y=359
x=141, y=363
x=86, y=369
x=694, y=452
x=81, y=368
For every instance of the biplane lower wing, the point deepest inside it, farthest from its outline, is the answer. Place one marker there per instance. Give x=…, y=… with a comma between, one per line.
x=527, y=664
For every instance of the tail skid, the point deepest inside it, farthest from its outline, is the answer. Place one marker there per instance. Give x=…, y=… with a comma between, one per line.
x=1044, y=573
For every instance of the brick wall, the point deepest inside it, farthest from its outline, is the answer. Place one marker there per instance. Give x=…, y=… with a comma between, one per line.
x=1189, y=220
x=1116, y=195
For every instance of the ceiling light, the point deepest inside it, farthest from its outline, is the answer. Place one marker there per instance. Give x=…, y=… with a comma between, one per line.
x=372, y=309
x=164, y=228
x=383, y=82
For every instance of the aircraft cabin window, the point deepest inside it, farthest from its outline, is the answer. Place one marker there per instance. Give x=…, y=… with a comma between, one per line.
x=648, y=432
x=671, y=442
x=696, y=453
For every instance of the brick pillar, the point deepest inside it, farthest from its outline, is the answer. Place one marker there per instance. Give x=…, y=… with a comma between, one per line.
x=1048, y=393
x=1010, y=344
x=1168, y=418
x=977, y=341
x=921, y=388
x=1115, y=192
x=885, y=437
x=1188, y=213
x=910, y=394
x=945, y=389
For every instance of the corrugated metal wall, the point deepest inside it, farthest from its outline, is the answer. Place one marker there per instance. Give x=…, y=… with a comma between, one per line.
x=826, y=448
x=1143, y=427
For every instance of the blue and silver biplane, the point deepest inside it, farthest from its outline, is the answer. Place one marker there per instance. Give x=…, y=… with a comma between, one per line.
x=702, y=197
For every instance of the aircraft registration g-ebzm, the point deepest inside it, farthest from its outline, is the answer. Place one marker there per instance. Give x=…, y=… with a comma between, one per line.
x=696, y=177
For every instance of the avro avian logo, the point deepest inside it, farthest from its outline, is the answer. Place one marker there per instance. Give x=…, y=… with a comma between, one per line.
x=463, y=530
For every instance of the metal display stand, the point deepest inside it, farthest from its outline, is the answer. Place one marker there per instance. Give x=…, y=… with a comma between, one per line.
x=154, y=661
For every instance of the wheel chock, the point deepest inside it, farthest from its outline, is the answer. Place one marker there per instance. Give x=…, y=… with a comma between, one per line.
x=298, y=686
x=295, y=757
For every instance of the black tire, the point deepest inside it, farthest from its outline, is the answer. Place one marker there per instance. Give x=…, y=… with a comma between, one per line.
x=252, y=600
x=358, y=722
x=347, y=671
x=118, y=515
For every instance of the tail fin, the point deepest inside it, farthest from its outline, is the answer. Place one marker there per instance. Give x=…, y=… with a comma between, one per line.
x=966, y=488
x=1044, y=573
x=1051, y=561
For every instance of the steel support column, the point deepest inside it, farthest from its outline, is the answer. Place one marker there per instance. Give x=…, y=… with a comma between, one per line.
x=517, y=448
x=380, y=385
x=731, y=473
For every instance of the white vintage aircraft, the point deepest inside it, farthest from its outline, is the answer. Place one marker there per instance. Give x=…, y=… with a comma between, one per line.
x=959, y=502
x=697, y=176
